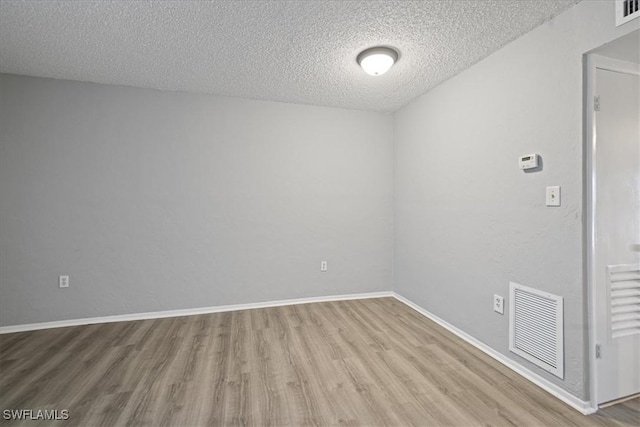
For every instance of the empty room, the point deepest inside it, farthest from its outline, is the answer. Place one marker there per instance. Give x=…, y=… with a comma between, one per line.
x=288, y=213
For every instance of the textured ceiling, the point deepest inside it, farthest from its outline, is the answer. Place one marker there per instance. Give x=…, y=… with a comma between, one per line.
x=292, y=51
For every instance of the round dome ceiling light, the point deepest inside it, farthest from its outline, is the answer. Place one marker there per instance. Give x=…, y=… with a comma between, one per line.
x=377, y=60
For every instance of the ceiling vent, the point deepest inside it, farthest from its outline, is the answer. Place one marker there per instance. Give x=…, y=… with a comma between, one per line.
x=626, y=10
x=536, y=329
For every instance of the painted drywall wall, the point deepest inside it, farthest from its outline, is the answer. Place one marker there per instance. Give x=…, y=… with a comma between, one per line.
x=156, y=200
x=467, y=220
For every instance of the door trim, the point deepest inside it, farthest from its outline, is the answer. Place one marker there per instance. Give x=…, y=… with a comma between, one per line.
x=594, y=62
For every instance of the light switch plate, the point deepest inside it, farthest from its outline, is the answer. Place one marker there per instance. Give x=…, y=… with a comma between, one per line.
x=553, y=195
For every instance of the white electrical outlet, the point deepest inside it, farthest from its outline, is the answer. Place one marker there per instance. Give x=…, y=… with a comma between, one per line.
x=323, y=265
x=498, y=304
x=63, y=281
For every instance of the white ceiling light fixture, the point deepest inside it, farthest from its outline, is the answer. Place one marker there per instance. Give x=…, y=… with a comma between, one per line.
x=377, y=60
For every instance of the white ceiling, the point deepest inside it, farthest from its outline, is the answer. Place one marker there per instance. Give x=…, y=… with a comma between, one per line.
x=291, y=51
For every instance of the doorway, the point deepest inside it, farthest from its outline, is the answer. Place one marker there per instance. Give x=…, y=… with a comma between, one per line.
x=613, y=222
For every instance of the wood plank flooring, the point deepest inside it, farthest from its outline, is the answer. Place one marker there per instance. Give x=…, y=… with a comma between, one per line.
x=367, y=362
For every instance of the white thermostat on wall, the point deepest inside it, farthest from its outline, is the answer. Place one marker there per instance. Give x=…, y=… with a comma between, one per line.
x=530, y=161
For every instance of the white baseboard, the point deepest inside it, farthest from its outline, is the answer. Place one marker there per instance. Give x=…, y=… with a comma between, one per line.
x=581, y=406
x=186, y=312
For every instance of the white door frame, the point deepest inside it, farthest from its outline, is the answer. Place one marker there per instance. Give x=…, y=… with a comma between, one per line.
x=595, y=62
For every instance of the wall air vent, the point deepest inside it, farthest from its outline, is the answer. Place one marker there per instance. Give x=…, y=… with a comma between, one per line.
x=624, y=298
x=536, y=327
x=626, y=10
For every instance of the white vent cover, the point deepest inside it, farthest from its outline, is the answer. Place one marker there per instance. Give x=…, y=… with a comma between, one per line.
x=624, y=297
x=536, y=329
x=626, y=10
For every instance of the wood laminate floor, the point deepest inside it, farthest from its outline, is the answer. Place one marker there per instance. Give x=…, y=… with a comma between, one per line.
x=367, y=362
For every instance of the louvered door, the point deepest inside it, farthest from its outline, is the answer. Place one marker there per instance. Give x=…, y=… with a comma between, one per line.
x=617, y=243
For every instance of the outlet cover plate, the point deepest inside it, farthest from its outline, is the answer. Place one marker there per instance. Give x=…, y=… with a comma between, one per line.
x=63, y=281
x=498, y=304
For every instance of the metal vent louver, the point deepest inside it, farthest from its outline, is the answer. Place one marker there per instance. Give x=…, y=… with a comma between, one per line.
x=536, y=329
x=624, y=298
x=626, y=10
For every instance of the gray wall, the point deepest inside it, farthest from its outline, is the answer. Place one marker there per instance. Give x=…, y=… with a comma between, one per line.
x=155, y=200
x=468, y=221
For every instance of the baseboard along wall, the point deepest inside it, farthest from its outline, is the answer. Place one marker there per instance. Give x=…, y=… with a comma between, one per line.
x=186, y=312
